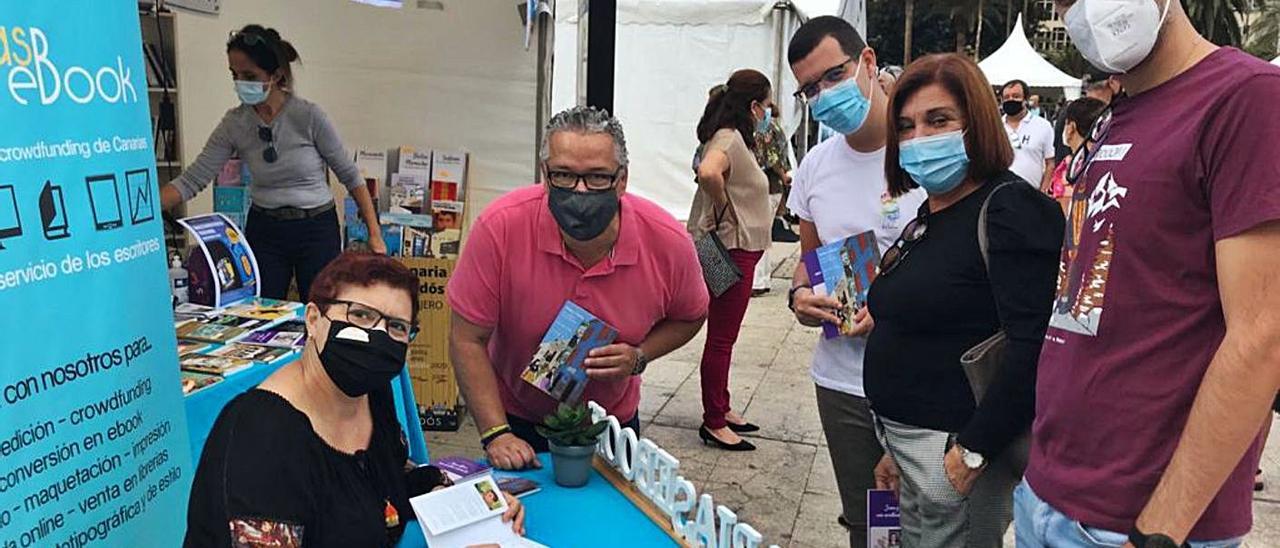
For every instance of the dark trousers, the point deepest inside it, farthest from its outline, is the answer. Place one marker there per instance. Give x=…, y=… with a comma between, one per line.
x=285, y=249
x=523, y=429
x=850, y=430
x=724, y=321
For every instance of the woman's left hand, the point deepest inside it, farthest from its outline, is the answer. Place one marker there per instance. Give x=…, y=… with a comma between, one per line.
x=962, y=477
x=515, y=513
x=377, y=244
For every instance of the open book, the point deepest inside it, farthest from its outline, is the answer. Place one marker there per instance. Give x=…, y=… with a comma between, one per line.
x=844, y=270
x=557, y=366
x=467, y=514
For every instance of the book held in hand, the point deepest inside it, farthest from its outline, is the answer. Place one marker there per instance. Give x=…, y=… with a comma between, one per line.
x=557, y=366
x=844, y=270
x=467, y=514
x=883, y=525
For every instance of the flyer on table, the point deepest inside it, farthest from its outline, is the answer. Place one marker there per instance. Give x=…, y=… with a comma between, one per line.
x=93, y=436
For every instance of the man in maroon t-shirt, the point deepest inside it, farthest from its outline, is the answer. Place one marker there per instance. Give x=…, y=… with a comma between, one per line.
x=1163, y=353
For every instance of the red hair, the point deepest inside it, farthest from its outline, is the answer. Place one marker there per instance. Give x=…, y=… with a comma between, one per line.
x=363, y=269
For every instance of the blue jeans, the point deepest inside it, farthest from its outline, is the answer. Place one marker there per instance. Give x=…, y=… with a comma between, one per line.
x=1038, y=525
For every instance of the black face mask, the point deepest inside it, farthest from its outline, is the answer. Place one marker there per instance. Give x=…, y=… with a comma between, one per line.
x=359, y=361
x=1012, y=108
x=583, y=215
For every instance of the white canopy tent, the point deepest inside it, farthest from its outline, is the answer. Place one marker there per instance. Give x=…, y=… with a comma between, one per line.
x=1276, y=61
x=669, y=54
x=1018, y=60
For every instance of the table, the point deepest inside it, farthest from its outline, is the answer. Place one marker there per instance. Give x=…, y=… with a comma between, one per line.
x=596, y=514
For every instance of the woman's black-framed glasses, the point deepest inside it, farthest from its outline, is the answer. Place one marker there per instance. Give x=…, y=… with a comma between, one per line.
x=911, y=235
x=593, y=181
x=833, y=75
x=269, y=154
x=367, y=317
x=1082, y=157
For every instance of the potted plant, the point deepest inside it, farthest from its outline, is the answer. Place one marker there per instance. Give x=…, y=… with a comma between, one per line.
x=572, y=438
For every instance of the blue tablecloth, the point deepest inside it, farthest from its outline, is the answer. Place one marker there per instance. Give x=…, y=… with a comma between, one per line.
x=593, y=515
x=204, y=405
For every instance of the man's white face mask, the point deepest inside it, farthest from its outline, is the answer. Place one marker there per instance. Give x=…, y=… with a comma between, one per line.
x=1115, y=35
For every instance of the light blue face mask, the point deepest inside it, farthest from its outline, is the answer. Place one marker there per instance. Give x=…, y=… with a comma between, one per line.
x=937, y=163
x=842, y=107
x=763, y=125
x=251, y=92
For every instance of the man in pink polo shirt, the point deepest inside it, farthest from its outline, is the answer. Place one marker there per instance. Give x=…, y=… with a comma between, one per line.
x=579, y=237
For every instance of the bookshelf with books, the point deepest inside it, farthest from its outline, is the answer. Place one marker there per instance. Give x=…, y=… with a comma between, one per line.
x=159, y=59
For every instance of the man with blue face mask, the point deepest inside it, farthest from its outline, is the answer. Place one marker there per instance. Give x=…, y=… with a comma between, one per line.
x=1159, y=366
x=838, y=191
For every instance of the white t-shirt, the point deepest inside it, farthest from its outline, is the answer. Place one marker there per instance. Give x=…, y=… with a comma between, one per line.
x=843, y=192
x=1032, y=145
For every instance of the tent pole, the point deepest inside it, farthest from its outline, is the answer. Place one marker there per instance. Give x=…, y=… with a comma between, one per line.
x=546, y=65
x=780, y=49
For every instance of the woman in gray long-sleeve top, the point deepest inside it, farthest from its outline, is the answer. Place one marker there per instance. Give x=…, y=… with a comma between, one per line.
x=287, y=142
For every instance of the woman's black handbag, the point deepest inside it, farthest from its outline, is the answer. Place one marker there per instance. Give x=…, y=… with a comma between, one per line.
x=982, y=362
x=718, y=268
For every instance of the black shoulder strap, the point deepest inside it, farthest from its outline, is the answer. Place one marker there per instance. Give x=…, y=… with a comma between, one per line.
x=983, y=244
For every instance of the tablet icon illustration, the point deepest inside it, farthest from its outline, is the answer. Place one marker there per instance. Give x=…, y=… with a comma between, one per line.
x=104, y=200
x=140, y=193
x=10, y=221
x=53, y=212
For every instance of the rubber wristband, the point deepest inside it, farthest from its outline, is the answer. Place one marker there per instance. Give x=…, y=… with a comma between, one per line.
x=493, y=433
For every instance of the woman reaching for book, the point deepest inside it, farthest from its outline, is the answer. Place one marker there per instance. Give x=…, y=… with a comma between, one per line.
x=288, y=144
x=314, y=456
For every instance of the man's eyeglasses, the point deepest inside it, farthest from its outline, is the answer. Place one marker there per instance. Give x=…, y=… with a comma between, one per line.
x=1081, y=159
x=270, y=154
x=367, y=317
x=911, y=235
x=833, y=75
x=593, y=181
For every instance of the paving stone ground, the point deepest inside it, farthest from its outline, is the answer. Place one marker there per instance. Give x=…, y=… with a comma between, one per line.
x=786, y=488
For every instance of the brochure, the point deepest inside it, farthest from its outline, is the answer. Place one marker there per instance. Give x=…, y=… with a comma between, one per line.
x=883, y=528
x=844, y=269
x=467, y=514
x=557, y=365
x=229, y=260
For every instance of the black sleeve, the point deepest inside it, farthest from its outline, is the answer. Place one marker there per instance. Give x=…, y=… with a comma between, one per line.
x=258, y=479
x=1024, y=232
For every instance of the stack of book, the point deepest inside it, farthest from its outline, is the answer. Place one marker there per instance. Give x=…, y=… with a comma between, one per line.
x=214, y=343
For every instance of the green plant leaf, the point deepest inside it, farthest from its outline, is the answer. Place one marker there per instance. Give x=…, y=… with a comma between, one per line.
x=594, y=430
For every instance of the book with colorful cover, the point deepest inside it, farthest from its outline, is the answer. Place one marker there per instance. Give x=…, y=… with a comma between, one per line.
x=192, y=347
x=266, y=309
x=213, y=365
x=884, y=529
x=516, y=485
x=460, y=468
x=288, y=334
x=844, y=270
x=264, y=354
x=193, y=311
x=192, y=381
x=205, y=332
x=557, y=366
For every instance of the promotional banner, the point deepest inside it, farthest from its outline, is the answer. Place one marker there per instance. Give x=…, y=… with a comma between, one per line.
x=92, y=431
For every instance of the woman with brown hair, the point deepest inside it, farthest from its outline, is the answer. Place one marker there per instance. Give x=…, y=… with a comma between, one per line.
x=946, y=285
x=733, y=202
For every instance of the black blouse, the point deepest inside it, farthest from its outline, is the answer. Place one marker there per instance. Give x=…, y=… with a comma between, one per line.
x=939, y=302
x=266, y=474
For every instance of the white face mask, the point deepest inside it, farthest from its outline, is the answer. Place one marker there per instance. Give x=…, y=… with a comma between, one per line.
x=1115, y=35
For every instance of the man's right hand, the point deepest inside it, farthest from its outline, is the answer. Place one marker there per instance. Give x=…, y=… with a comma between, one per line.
x=509, y=452
x=813, y=309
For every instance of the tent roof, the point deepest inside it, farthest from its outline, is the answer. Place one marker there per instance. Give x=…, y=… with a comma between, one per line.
x=1016, y=59
x=1276, y=61
x=699, y=12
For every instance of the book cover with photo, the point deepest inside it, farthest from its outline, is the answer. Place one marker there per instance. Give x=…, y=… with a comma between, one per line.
x=288, y=334
x=884, y=529
x=408, y=194
x=557, y=366
x=264, y=354
x=192, y=381
x=213, y=365
x=844, y=269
